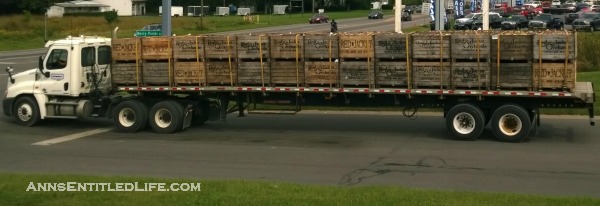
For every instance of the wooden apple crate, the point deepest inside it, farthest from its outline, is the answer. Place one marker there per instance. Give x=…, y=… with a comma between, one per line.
x=157, y=48
x=321, y=72
x=431, y=74
x=431, y=45
x=252, y=46
x=127, y=49
x=391, y=73
x=156, y=73
x=512, y=46
x=471, y=74
x=471, y=45
x=189, y=73
x=221, y=72
x=188, y=47
x=254, y=73
x=287, y=47
x=391, y=46
x=321, y=46
x=357, y=73
x=512, y=75
x=554, y=76
x=356, y=46
x=126, y=74
x=219, y=47
x=554, y=45
x=287, y=73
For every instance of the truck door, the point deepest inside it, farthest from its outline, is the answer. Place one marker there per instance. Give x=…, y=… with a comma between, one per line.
x=57, y=67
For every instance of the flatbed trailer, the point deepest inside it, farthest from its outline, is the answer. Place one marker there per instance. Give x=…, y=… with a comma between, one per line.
x=90, y=84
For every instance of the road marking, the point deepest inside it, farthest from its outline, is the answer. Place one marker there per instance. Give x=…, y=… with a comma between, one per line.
x=71, y=137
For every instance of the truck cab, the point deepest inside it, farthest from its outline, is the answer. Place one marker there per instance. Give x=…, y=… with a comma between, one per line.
x=72, y=72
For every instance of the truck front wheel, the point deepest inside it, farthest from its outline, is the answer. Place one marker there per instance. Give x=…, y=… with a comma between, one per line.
x=166, y=117
x=26, y=111
x=130, y=116
x=465, y=122
x=510, y=123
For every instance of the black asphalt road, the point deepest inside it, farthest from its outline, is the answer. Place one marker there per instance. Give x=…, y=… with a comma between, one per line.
x=330, y=148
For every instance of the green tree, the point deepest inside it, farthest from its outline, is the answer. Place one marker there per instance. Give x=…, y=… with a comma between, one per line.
x=37, y=6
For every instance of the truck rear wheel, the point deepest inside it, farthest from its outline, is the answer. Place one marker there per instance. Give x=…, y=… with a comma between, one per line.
x=26, y=111
x=166, y=117
x=130, y=116
x=510, y=123
x=465, y=122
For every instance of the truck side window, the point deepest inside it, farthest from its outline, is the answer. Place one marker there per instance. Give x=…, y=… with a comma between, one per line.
x=88, y=56
x=104, y=55
x=57, y=59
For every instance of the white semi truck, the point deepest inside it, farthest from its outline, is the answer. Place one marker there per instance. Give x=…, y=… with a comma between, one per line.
x=78, y=78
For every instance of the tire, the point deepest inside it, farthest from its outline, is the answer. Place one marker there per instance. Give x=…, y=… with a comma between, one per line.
x=130, y=116
x=465, y=122
x=26, y=111
x=166, y=117
x=510, y=123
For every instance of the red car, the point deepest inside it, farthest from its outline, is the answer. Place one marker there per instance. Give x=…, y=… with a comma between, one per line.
x=318, y=18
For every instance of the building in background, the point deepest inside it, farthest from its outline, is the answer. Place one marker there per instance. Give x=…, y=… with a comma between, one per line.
x=123, y=7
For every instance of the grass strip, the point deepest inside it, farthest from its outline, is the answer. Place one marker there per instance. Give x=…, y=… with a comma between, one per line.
x=240, y=192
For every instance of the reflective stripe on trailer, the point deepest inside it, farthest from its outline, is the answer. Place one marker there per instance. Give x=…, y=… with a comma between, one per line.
x=352, y=90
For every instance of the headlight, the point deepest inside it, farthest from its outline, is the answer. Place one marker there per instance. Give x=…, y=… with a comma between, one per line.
x=586, y=22
x=544, y=24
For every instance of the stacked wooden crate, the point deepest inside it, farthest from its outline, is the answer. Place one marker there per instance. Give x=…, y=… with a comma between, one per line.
x=156, y=60
x=321, y=60
x=253, y=55
x=188, y=54
x=431, y=60
x=287, y=59
x=392, y=59
x=554, y=64
x=471, y=61
x=356, y=56
x=220, y=57
x=126, y=66
x=511, y=60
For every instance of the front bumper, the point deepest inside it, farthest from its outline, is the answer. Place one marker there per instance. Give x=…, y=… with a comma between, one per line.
x=581, y=27
x=7, y=105
x=462, y=26
x=510, y=26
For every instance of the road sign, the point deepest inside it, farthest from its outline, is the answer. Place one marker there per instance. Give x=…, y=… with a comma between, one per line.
x=148, y=33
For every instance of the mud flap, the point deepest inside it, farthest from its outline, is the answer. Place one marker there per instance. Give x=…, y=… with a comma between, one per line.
x=187, y=116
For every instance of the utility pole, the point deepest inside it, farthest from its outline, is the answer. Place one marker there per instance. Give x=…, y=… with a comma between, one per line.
x=166, y=17
x=398, y=16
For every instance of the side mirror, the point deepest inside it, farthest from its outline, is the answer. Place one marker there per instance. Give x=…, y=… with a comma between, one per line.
x=47, y=74
x=41, y=63
x=9, y=70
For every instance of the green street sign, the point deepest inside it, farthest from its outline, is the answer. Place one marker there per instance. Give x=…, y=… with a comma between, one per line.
x=148, y=33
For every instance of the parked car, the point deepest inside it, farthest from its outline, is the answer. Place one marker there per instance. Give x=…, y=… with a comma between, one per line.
x=406, y=16
x=569, y=18
x=546, y=21
x=515, y=22
x=595, y=8
x=589, y=21
x=408, y=9
x=318, y=18
x=466, y=22
x=418, y=9
x=495, y=21
x=556, y=3
x=375, y=14
x=580, y=6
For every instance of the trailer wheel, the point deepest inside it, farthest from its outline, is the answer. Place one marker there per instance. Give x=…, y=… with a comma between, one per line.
x=465, y=122
x=130, y=116
x=510, y=123
x=166, y=117
x=26, y=111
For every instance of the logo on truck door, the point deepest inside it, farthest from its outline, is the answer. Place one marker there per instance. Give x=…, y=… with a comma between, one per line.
x=57, y=76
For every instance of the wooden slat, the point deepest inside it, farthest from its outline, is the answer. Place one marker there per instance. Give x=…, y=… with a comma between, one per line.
x=391, y=74
x=321, y=46
x=188, y=47
x=390, y=45
x=431, y=74
x=157, y=48
x=189, y=73
x=321, y=72
x=356, y=46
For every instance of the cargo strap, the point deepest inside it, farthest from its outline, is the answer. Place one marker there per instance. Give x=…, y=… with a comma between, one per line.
x=330, y=64
x=297, y=62
x=498, y=62
x=137, y=64
x=369, y=42
x=539, y=62
x=229, y=60
x=198, y=62
x=262, y=68
x=170, y=67
x=478, y=46
x=441, y=59
x=565, y=74
x=407, y=63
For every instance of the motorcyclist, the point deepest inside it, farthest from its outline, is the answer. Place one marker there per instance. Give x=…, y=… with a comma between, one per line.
x=334, y=28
